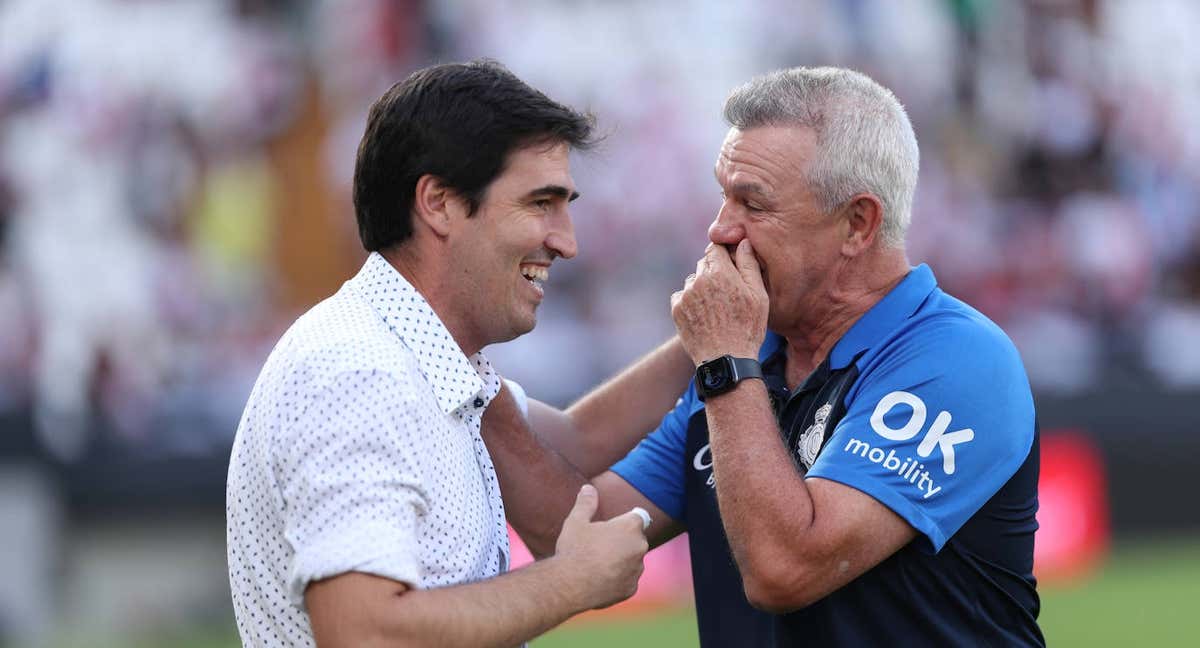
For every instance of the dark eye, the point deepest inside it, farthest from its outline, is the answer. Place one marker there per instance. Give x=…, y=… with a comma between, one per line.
x=543, y=203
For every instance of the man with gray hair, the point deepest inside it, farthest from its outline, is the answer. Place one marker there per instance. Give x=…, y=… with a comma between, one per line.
x=856, y=459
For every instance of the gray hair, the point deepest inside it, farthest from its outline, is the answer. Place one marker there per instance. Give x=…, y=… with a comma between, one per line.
x=865, y=142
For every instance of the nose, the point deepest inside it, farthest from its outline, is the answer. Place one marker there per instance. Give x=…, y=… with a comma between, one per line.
x=561, y=237
x=727, y=229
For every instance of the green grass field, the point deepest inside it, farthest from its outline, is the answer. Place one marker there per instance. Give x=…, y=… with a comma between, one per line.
x=1147, y=594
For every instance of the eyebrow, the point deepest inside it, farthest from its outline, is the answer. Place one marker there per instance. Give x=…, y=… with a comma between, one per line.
x=557, y=191
x=744, y=187
x=750, y=188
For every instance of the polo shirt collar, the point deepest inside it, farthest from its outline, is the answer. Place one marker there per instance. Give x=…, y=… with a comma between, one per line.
x=885, y=316
x=457, y=381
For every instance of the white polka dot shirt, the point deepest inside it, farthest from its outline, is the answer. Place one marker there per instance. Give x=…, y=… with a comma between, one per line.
x=359, y=450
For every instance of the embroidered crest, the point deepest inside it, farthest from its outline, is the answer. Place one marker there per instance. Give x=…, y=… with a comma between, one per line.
x=810, y=441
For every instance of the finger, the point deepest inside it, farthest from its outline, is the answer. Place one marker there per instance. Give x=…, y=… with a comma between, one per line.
x=747, y=264
x=641, y=512
x=585, y=505
x=633, y=517
x=717, y=257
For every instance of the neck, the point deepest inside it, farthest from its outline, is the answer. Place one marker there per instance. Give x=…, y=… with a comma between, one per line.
x=430, y=276
x=807, y=350
x=852, y=290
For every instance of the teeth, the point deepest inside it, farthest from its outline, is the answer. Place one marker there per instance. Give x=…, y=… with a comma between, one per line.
x=535, y=273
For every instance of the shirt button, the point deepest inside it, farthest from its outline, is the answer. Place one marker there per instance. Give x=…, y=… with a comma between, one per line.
x=478, y=402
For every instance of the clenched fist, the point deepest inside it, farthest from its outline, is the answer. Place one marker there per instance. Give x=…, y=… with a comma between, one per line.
x=606, y=556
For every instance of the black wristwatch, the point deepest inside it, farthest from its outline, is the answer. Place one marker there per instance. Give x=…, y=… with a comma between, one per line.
x=723, y=374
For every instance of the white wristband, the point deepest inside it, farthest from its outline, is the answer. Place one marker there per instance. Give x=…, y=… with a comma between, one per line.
x=518, y=393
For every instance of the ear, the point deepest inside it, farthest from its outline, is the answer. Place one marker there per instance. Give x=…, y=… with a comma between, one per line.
x=433, y=205
x=864, y=218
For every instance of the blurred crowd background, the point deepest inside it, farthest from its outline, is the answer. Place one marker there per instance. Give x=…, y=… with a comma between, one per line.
x=175, y=180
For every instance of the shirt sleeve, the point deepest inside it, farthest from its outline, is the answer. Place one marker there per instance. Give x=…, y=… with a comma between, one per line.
x=655, y=467
x=349, y=475
x=936, y=424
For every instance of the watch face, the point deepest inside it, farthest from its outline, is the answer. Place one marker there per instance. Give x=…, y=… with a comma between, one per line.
x=713, y=377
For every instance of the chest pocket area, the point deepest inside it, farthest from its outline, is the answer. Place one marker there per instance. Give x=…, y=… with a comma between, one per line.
x=809, y=418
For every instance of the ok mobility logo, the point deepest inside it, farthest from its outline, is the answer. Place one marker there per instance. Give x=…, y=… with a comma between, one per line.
x=908, y=467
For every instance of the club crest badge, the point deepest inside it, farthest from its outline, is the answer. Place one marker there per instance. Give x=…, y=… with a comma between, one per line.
x=810, y=441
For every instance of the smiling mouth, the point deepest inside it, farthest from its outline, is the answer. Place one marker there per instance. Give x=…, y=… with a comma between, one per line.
x=536, y=275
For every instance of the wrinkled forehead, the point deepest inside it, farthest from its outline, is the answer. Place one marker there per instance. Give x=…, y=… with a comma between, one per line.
x=775, y=153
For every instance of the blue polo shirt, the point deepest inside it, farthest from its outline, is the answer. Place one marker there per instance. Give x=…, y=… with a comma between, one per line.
x=925, y=406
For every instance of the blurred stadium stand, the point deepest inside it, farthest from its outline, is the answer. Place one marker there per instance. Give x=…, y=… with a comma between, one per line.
x=174, y=189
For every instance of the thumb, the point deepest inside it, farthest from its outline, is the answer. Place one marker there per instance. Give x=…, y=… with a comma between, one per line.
x=747, y=264
x=641, y=515
x=585, y=507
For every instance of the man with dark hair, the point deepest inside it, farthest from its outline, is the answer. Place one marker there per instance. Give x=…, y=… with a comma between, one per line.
x=362, y=504
x=455, y=122
x=856, y=459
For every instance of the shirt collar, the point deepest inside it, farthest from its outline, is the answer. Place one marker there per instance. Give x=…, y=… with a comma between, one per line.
x=895, y=307
x=456, y=379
